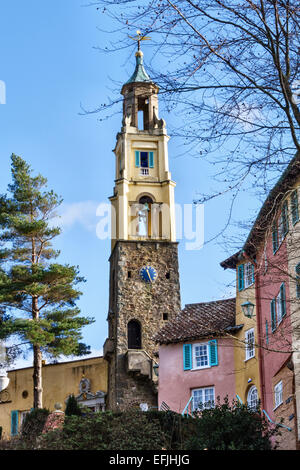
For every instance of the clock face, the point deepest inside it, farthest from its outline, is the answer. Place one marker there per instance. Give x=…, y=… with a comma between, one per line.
x=148, y=274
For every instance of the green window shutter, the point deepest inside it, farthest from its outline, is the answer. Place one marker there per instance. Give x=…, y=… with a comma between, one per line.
x=267, y=332
x=275, y=237
x=294, y=207
x=213, y=352
x=151, y=160
x=137, y=159
x=283, y=299
x=241, y=277
x=273, y=314
x=14, y=422
x=298, y=281
x=187, y=357
x=285, y=218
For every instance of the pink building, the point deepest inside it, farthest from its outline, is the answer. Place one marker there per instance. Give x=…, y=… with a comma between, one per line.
x=273, y=246
x=196, y=362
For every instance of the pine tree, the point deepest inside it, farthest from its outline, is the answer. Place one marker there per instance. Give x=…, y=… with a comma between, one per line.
x=38, y=293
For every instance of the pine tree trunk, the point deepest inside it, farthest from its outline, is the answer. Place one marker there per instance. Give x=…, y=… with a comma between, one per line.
x=37, y=364
x=37, y=378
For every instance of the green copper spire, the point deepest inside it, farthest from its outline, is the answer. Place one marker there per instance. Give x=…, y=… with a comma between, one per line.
x=140, y=74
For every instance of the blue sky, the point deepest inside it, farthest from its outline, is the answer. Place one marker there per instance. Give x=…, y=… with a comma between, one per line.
x=51, y=66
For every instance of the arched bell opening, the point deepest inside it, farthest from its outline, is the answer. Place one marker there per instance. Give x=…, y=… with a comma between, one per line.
x=144, y=217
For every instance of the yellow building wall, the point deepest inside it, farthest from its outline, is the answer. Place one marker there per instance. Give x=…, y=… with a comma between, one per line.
x=245, y=369
x=59, y=381
x=130, y=184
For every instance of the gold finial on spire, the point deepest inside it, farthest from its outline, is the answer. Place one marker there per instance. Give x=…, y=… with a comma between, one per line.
x=140, y=37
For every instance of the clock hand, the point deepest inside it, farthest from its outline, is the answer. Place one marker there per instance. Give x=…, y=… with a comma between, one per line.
x=149, y=275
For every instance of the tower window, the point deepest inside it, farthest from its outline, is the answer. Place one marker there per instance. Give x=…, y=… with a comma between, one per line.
x=129, y=274
x=165, y=316
x=144, y=216
x=140, y=120
x=167, y=275
x=144, y=159
x=134, y=335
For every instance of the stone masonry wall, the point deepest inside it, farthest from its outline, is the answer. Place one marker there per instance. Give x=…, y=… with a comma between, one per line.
x=150, y=304
x=287, y=410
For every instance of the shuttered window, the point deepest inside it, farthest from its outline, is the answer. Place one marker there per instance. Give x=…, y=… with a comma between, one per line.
x=144, y=159
x=200, y=355
x=273, y=314
x=245, y=275
x=298, y=281
x=275, y=237
x=284, y=220
x=278, y=307
x=14, y=422
x=294, y=207
x=187, y=356
x=241, y=277
x=213, y=352
x=137, y=159
x=151, y=160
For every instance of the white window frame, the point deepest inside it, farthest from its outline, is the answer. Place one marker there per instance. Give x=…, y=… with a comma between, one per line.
x=22, y=416
x=249, y=345
x=202, y=345
x=248, y=275
x=278, y=394
x=251, y=403
x=204, y=391
x=278, y=308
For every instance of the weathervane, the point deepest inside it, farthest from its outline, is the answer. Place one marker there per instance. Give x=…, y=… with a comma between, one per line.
x=140, y=37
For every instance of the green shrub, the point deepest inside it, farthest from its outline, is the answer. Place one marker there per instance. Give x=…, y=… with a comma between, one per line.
x=231, y=427
x=107, y=431
x=72, y=407
x=33, y=424
x=224, y=427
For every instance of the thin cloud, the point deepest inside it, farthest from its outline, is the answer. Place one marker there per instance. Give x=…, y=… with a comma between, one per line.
x=82, y=213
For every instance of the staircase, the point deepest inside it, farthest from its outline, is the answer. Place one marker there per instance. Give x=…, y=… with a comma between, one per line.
x=140, y=364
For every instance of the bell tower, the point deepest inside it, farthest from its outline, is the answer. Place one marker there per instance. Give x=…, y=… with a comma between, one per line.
x=144, y=277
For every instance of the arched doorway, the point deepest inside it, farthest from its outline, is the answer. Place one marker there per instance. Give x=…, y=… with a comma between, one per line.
x=134, y=335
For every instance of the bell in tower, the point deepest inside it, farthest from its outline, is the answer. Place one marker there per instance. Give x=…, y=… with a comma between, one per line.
x=140, y=106
x=144, y=276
